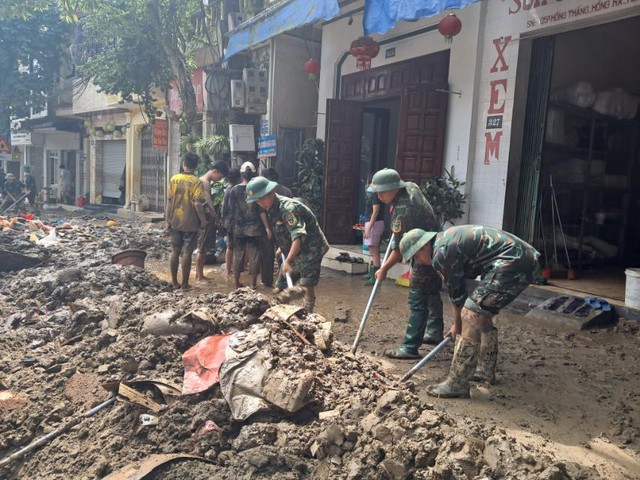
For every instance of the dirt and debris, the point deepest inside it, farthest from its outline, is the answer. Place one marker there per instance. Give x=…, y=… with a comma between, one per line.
x=78, y=322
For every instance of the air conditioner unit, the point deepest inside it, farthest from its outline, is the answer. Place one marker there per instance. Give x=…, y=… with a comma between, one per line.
x=235, y=19
x=237, y=94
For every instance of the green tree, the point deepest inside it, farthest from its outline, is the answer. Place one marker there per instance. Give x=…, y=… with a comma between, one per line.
x=142, y=44
x=31, y=53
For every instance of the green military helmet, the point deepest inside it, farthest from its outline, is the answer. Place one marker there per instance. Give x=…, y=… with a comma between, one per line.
x=258, y=187
x=384, y=180
x=414, y=240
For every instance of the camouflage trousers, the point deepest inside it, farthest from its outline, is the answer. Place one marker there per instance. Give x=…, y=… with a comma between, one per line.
x=306, y=271
x=503, y=284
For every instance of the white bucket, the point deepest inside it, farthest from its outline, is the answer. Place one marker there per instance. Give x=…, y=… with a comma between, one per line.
x=632, y=290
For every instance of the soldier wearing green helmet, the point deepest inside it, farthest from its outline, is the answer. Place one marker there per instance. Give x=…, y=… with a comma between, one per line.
x=296, y=232
x=410, y=209
x=506, y=266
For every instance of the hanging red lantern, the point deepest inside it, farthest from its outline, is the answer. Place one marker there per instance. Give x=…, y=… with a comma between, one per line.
x=312, y=67
x=364, y=49
x=450, y=26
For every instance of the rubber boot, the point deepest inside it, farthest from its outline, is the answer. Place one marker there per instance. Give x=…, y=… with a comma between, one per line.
x=309, y=304
x=434, y=333
x=371, y=279
x=465, y=359
x=486, y=371
x=412, y=339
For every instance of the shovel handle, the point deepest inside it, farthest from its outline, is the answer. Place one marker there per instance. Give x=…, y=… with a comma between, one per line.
x=286, y=274
x=426, y=358
x=367, y=310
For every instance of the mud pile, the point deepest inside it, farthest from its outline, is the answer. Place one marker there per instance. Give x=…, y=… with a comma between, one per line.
x=82, y=322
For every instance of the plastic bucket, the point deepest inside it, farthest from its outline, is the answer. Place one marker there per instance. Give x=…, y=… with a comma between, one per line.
x=632, y=290
x=130, y=257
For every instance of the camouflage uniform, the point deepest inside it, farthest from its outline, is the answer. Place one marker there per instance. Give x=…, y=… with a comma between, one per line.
x=505, y=263
x=410, y=209
x=290, y=219
x=245, y=223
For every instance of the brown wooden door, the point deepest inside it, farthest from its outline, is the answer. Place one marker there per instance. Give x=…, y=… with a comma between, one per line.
x=421, y=131
x=342, y=167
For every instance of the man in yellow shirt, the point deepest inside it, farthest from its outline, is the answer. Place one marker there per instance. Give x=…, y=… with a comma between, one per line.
x=184, y=217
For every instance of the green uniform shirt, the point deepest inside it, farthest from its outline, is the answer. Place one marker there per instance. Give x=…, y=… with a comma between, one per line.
x=410, y=209
x=471, y=250
x=290, y=219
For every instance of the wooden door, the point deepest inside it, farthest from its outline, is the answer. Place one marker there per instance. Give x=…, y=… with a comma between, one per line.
x=421, y=131
x=342, y=167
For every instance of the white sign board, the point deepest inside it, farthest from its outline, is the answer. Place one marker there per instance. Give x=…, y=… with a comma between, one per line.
x=241, y=138
x=21, y=138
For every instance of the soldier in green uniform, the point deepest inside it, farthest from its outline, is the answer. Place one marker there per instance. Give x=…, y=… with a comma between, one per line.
x=506, y=266
x=296, y=233
x=410, y=209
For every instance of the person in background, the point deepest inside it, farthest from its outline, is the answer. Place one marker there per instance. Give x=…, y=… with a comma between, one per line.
x=297, y=234
x=247, y=223
x=232, y=180
x=13, y=190
x=267, y=247
x=30, y=186
x=506, y=266
x=66, y=185
x=373, y=230
x=184, y=217
x=207, y=238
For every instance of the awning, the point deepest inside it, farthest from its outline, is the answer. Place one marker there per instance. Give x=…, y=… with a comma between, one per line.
x=279, y=18
x=381, y=15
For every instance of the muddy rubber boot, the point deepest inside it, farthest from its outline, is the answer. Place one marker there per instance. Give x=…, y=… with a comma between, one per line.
x=486, y=371
x=465, y=359
x=371, y=279
x=309, y=304
x=412, y=339
x=434, y=333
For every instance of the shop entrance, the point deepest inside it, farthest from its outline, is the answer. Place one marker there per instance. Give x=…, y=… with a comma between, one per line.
x=391, y=116
x=582, y=136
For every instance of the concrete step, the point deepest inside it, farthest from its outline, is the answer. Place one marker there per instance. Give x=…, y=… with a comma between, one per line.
x=329, y=261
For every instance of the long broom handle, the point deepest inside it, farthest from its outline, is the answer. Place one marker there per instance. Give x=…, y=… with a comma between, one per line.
x=50, y=436
x=367, y=310
x=426, y=358
x=22, y=197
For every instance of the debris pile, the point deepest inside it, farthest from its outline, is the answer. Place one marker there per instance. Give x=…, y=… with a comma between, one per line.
x=79, y=324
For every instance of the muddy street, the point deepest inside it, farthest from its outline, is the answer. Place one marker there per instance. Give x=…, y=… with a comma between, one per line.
x=77, y=329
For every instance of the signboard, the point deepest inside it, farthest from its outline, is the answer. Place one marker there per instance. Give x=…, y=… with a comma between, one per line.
x=264, y=128
x=267, y=146
x=160, y=134
x=21, y=138
x=196, y=80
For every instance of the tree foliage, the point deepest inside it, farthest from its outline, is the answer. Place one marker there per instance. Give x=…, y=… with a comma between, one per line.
x=31, y=53
x=444, y=195
x=310, y=162
x=142, y=44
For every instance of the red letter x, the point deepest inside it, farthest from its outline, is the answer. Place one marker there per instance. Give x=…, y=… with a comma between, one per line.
x=501, y=48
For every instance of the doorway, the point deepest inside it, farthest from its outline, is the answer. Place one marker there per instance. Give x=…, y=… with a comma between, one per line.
x=582, y=138
x=390, y=116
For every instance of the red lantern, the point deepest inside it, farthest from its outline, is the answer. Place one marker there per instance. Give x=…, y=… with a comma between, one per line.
x=364, y=49
x=312, y=67
x=450, y=26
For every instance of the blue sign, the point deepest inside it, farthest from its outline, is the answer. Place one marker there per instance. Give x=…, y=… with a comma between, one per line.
x=267, y=146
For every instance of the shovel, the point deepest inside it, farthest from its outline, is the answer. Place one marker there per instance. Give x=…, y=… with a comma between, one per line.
x=291, y=292
x=426, y=358
x=367, y=310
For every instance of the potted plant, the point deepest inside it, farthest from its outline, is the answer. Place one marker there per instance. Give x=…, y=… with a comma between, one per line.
x=310, y=161
x=444, y=195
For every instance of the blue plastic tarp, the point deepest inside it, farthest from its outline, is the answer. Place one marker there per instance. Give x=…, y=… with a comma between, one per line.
x=277, y=19
x=381, y=15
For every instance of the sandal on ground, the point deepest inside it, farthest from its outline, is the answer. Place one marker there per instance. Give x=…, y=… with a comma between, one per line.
x=401, y=354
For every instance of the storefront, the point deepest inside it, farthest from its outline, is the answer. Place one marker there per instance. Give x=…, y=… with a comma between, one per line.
x=411, y=110
x=558, y=107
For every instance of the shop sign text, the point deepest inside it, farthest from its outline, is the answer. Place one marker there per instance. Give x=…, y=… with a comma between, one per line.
x=497, y=101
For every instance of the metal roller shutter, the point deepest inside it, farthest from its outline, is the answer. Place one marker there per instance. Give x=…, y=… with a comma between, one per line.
x=113, y=158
